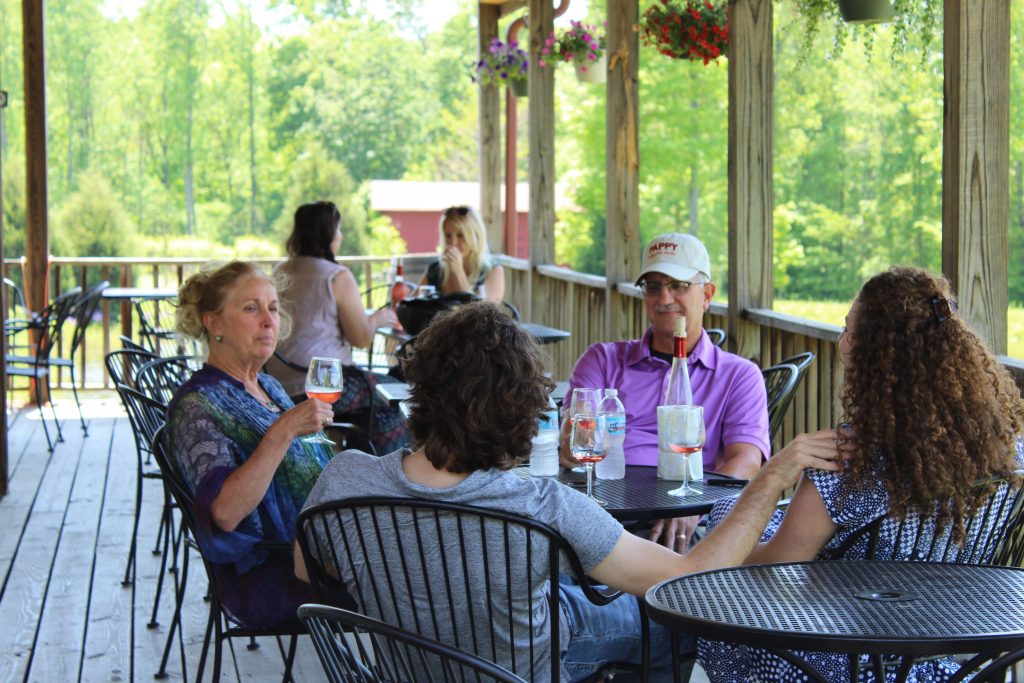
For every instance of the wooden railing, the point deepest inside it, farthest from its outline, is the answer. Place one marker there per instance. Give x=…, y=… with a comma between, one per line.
x=546, y=294
x=66, y=273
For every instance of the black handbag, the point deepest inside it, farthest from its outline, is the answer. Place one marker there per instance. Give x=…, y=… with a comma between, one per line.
x=416, y=314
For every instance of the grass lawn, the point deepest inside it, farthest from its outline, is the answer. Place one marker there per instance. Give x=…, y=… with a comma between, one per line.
x=834, y=311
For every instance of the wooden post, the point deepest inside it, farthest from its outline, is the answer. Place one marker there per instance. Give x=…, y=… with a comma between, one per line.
x=622, y=163
x=490, y=135
x=541, y=120
x=751, y=137
x=975, y=163
x=36, y=231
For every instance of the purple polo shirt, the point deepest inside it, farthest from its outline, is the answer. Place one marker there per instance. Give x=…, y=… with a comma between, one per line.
x=730, y=388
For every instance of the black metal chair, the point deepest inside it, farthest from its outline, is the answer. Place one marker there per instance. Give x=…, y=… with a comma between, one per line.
x=406, y=540
x=802, y=361
x=357, y=649
x=17, y=316
x=146, y=415
x=49, y=325
x=131, y=344
x=992, y=535
x=156, y=327
x=83, y=312
x=781, y=382
x=219, y=624
x=716, y=335
x=1008, y=667
x=160, y=378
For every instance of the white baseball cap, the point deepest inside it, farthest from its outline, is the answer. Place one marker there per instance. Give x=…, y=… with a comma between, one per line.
x=679, y=256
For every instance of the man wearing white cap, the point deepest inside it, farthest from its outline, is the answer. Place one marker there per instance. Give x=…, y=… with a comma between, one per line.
x=676, y=281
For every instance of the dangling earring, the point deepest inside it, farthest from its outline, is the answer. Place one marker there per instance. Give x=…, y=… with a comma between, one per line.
x=219, y=338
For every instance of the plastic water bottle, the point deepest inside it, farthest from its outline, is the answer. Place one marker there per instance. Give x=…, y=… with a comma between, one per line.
x=544, y=456
x=614, y=464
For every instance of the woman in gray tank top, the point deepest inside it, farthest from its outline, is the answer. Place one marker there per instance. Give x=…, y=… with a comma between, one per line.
x=324, y=301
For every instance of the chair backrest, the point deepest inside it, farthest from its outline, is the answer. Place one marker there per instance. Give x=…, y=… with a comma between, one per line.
x=123, y=365
x=147, y=415
x=357, y=649
x=50, y=322
x=780, y=382
x=160, y=378
x=83, y=311
x=131, y=344
x=989, y=534
x=15, y=299
x=156, y=326
x=469, y=577
x=716, y=335
x=802, y=361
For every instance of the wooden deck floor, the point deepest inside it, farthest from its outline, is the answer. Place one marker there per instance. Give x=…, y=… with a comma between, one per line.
x=65, y=527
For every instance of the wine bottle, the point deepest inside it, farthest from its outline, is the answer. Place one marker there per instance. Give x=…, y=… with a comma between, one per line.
x=400, y=289
x=678, y=392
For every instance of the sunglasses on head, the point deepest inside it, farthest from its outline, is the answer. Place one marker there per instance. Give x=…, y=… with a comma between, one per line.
x=456, y=211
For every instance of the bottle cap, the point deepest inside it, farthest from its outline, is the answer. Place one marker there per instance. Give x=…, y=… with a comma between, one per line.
x=681, y=326
x=611, y=391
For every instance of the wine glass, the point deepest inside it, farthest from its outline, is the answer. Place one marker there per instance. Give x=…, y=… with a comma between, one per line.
x=584, y=400
x=685, y=435
x=589, y=444
x=323, y=383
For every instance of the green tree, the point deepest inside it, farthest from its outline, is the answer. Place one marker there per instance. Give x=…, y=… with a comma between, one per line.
x=92, y=221
x=316, y=177
x=364, y=105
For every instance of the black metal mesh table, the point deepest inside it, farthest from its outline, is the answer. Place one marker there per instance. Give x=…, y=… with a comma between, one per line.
x=903, y=609
x=640, y=496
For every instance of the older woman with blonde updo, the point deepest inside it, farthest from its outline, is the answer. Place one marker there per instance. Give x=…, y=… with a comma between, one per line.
x=235, y=435
x=465, y=261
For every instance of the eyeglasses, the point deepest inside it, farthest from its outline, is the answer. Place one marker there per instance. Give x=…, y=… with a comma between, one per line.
x=456, y=211
x=675, y=287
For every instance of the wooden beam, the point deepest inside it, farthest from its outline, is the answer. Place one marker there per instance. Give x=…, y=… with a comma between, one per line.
x=490, y=135
x=622, y=163
x=541, y=120
x=751, y=139
x=975, y=163
x=36, y=231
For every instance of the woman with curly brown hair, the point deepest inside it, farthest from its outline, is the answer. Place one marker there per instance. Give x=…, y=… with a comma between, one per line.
x=929, y=413
x=478, y=388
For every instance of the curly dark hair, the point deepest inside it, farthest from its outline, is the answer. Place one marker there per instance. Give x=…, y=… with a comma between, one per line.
x=923, y=389
x=478, y=388
x=313, y=231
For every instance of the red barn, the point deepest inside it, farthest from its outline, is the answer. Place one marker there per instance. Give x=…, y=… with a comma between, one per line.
x=415, y=208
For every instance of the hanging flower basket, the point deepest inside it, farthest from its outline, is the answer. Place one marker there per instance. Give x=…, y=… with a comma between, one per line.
x=697, y=30
x=582, y=44
x=865, y=11
x=591, y=71
x=503, y=65
x=520, y=87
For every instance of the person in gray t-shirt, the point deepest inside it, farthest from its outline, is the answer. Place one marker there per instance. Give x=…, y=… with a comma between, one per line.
x=478, y=388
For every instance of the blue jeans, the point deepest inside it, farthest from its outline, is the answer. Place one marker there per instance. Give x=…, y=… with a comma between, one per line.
x=599, y=635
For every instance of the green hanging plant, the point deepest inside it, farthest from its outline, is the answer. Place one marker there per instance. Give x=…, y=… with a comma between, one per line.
x=921, y=18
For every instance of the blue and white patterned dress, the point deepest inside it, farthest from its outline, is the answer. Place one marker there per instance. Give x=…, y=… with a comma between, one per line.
x=850, y=508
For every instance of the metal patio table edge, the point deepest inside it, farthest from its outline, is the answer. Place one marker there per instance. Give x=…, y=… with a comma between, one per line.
x=907, y=649
x=640, y=511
